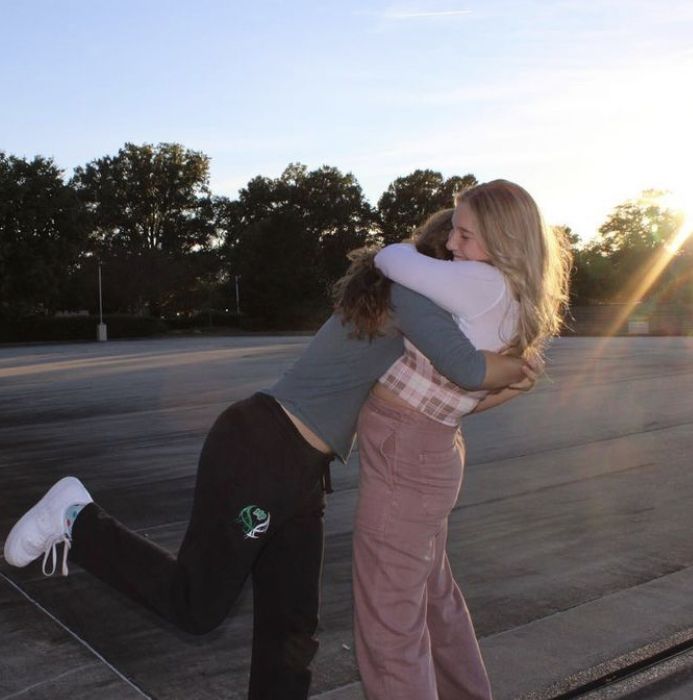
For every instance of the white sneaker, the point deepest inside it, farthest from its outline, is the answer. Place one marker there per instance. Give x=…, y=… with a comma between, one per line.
x=42, y=528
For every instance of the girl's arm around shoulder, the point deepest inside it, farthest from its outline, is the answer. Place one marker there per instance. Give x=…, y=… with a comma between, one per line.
x=462, y=287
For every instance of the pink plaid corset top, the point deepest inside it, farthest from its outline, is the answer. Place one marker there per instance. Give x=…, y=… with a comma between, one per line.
x=414, y=379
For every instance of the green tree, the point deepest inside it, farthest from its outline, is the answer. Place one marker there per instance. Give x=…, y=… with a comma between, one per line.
x=410, y=199
x=288, y=238
x=42, y=232
x=639, y=225
x=151, y=213
x=628, y=244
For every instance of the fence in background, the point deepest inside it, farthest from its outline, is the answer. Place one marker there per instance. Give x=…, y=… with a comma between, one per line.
x=615, y=319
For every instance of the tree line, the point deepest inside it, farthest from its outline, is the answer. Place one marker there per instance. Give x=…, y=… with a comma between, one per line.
x=168, y=247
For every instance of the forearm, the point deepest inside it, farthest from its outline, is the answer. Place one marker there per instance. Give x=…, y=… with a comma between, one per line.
x=496, y=399
x=502, y=370
x=435, y=279
x=436, y=335
x=464, y=288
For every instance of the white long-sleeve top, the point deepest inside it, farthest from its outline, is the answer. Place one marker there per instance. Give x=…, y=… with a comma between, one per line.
x=482, y=303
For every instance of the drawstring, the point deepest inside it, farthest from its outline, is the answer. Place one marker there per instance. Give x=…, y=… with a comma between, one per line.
x=52, y=552
x=326, y=479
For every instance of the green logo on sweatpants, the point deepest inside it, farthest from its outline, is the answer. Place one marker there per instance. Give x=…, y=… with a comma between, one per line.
x=254, y=521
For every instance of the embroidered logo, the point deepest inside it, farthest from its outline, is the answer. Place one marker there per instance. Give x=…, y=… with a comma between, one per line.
x=254, y=521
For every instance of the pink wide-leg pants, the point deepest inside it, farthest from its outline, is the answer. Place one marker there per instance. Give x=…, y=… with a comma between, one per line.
x=413, y=634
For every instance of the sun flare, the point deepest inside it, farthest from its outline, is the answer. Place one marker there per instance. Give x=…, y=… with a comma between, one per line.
x=644, y=280
x=684, y=205
x=684, y=232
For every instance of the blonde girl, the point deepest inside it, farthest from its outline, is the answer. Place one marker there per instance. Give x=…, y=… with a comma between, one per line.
x=506, y=285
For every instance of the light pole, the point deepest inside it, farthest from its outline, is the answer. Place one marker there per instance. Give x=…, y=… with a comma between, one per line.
x=101, y=331
x=238, y=298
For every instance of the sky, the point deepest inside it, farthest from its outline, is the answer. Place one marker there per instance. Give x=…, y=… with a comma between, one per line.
x=583, y=102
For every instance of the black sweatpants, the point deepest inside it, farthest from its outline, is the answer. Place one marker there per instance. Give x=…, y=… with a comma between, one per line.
x=258, y=509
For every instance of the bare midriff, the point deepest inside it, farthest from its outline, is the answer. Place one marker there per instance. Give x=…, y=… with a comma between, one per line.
x=317, y=442
x=307, y=434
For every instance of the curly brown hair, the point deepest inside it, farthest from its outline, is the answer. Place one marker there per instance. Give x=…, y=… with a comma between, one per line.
x=362, y=296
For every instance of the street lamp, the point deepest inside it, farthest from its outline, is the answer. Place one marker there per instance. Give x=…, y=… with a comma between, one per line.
x=238, y=298
x=101, y=332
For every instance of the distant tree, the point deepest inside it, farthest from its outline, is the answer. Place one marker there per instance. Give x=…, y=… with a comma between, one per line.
x=676, y=282
x=148, y=283
x=629, y=242
x=288, y=238
x=589, y=279
x=643, y=224
x=280, y=278
x=151, y=213
x=42, y=232
x=410, y=199
x=148, y=198
x=577, y=273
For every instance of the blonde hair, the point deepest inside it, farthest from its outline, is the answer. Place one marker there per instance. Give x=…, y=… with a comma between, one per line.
x=534, y=258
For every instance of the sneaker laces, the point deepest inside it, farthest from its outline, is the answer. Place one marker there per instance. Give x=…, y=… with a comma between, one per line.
x=52, y=551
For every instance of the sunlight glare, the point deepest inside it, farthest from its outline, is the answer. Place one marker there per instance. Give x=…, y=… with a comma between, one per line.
x=683, y=233
x=649, y=273
x=684, y=205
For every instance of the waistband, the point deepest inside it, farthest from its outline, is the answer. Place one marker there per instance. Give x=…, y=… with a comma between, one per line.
x=290, y=431
x=408, y=416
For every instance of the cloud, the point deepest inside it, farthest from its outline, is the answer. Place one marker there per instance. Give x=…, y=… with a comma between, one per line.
x=416, y=15
x=398, y=11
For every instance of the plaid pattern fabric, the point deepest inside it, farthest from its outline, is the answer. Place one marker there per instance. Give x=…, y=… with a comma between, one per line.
x=414, y=379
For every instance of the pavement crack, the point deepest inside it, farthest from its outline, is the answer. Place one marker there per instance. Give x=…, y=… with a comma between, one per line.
x=552, y=487
x=572, y=446
x=75, y=636
x=33, y=686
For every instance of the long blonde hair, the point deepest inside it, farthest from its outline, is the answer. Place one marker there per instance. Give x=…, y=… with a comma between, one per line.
x=534, y=258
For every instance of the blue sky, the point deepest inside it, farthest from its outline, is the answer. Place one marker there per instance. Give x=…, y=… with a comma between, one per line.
x=584, y=102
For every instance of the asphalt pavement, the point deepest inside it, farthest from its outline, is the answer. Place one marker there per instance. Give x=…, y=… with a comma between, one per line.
x=571, y=539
